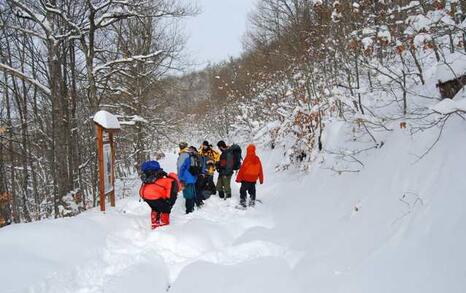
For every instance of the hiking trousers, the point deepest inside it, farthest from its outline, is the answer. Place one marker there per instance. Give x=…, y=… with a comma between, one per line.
x=224, y=186
x=247, y=187
x=189, y=194
x=160, y=205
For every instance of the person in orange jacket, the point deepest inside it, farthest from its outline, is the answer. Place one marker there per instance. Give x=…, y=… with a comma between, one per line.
x=249, y=173
x=159, y=190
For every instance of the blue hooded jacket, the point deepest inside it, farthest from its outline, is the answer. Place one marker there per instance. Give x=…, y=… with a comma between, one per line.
x=185, y=175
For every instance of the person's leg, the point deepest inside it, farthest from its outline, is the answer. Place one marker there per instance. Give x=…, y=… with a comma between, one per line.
x=190, y=203
x=242, y=194
x=227, y=186
x=199, y=187
x=220, y=186
x=165, y=209
x=252, y=194
x=188, y=194
x=211, y=185
x=155, y=214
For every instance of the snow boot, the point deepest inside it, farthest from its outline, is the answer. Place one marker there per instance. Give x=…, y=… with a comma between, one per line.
x=242, y=203
x=221, y=194
x=155, y=219
x=252, y=203
x=164, y=219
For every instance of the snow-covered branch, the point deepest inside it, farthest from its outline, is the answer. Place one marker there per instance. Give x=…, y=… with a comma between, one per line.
x=23, y=76
x=137, y=58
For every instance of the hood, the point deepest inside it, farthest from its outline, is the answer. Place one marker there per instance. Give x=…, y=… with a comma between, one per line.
x=251, y=150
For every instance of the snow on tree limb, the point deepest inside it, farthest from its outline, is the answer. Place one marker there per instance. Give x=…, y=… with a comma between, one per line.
x=24, y=77
x=139, y=58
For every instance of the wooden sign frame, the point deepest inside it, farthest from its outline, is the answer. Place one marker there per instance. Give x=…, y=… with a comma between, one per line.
x=105, y=139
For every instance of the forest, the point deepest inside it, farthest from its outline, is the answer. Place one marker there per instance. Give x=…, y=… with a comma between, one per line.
x=306, y=64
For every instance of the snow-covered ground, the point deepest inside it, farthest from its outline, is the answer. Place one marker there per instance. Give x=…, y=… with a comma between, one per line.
x=397, y=225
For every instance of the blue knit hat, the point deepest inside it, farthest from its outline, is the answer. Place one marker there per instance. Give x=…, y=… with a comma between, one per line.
x=150, y=166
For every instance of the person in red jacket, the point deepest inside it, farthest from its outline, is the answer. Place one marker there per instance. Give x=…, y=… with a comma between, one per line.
x=159, y=190
x=249, y=173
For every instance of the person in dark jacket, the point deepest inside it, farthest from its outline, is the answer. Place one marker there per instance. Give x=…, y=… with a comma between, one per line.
x=225, y=170
x=205, y=185
x=198, y=199
x=188, y=181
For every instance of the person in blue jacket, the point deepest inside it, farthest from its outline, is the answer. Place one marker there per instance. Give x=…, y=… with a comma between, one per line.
x=188, y=181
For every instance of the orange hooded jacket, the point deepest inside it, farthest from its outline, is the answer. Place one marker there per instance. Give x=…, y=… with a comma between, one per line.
x=251, y=169
x=160, y=189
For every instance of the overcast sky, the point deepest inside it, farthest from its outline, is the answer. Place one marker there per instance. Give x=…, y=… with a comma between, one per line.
x=215, y=34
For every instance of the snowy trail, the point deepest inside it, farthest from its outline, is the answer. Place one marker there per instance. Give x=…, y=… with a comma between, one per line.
x=211, y=235
x=129, y=256
x=406, y=235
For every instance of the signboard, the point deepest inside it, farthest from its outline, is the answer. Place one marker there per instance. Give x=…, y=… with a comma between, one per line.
x=108, y=172
x=106, y=125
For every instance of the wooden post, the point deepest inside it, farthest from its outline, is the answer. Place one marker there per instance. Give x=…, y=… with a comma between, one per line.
x=112, y=193
x=100, y=155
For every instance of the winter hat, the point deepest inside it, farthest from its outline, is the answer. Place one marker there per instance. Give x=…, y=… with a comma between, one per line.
x=206, y=143
x=183, y=145
x=222, y=144
x=251, y=149
x=192, y=149
x=150, y=166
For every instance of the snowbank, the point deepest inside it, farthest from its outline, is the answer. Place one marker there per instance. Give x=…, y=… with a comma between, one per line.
x=448, y=106
x=453, y=67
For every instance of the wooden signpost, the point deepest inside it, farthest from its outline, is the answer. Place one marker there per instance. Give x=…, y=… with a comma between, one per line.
x=5, y=199
x=106, y=126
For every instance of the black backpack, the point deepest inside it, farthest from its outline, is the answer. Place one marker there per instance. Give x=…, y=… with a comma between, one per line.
x=195, y=164
x=237, y=158
x=174, y=190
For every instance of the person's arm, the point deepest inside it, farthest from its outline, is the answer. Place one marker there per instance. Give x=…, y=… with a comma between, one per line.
x=229, y=162
x=180, y=162
x=183, y=169
x=140, y=190
x=239, y=177
x=221, y=162
x=216, y=156
x=261, y=173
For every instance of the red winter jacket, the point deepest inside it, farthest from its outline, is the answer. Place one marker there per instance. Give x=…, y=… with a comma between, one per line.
x=251, y=169
x=159, y=189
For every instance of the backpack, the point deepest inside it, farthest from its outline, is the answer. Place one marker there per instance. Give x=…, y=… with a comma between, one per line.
x=237, y=158
x=195, y=164
x=175, y=188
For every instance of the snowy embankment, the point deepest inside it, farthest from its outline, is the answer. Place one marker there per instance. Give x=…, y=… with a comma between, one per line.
x=397, y=225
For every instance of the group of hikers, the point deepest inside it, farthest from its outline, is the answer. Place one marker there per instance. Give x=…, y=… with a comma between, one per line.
x=195, y=177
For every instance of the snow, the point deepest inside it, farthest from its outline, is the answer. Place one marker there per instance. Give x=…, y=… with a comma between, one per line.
x=107, y=120
x=367, y=42
x=452, y=67
x=447, y=106
x=395, y=226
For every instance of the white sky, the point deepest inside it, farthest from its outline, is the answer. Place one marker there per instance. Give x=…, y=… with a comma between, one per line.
x=215, y=34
